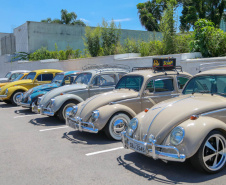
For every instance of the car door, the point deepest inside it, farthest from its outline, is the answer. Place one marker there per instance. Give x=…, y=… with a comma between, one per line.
x=102, y=83
x=157, y=90
x=45, y=78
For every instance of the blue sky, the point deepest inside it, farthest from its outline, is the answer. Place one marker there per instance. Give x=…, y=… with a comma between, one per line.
x=14, y=13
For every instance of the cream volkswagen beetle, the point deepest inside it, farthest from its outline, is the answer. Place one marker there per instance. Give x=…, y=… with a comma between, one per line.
x=191, y=126
x=134, y=92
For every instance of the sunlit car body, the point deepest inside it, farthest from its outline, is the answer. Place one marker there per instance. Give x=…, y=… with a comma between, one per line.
x=31, y=96
x=134, y=92
x=190, y=126
x=11, y=75
x=12, y=91
x=88, y=83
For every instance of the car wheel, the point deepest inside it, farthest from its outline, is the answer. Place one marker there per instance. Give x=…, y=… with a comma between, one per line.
x=116, y=125
x=65, y=108
x=211, y=156
x=15, y=96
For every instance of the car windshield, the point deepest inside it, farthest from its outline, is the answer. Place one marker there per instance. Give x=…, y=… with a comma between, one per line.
x=31, y=75
x=83, y=78
x=8, y=75
x=18, y=77
x=130, y=82
x=212, y=84
x=58, y=79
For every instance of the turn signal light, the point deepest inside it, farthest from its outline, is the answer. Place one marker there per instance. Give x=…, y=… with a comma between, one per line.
x=194, y=117
x=61, y=93
x=146, y=110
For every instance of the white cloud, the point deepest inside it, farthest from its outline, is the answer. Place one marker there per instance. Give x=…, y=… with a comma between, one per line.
x=121, y=20
x=84, y=20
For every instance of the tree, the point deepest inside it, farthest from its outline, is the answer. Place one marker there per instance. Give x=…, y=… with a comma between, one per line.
x=212, y=10
x=150, y=13
x=66, y=18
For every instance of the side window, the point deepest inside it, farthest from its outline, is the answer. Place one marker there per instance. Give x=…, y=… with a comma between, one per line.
x=150, y=86
x=107, y=80
x=163, y=85
x=47, y=77
x=181, y=81
x=39, y=78
x=96, y=81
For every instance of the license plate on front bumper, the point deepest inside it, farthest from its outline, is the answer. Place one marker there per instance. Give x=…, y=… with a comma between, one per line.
x=138, y=147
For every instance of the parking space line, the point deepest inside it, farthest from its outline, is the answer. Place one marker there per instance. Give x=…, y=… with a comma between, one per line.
x=103, y=151
x=23, y=116
x=52, y=129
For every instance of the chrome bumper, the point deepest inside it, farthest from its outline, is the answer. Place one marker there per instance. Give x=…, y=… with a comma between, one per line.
x=26, y=105
x=155, y=154
x=3, y=96
x=46, y=111
x=78, y=124
x=35, y=108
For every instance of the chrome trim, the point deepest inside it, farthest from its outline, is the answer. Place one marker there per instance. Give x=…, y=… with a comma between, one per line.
x=46, y=111
x=121, y=101
x=77, y=123
x=3, y=96
x=155, y=154
x=35, y=108
x=182, y=135
x=212, y=112
x=164, y=109
x=26, y=105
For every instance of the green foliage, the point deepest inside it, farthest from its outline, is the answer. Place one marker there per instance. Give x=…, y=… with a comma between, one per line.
x=66, y=18
x=92, y=40
x=110, y=35
x=208, y=40
x=131, y=46
x=182, y=43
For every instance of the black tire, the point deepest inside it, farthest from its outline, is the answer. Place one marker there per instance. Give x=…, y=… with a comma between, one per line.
x=203, y=161
x=110, y=129
x=67, y=104
x=13, y=96
x=7, y=101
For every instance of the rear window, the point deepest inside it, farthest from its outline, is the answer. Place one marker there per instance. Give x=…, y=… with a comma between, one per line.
x=45, y=77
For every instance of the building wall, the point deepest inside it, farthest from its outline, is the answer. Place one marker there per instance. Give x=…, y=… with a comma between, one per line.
x=8, y=44
x=2, y=35
x=21, y=38
x=46, y=35
x=223, y=25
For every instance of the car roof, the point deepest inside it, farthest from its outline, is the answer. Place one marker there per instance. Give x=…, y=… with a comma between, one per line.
x=217, y=71
x=47, y=70
x=69, y=72
x=20, y=71
x=152, y=73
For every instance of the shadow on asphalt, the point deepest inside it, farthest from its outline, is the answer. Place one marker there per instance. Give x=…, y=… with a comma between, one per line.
x=77, y=137
x=46, y=121
x=23, y=112
x=172, y=172
x=4, y=105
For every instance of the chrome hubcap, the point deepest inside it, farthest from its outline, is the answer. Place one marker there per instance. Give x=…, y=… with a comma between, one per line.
x=16, y=97
x=119, y=126
x=68, y=110
x=214, y=156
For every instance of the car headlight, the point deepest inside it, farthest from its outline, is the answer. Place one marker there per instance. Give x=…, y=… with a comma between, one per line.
x=177, y=135
x=95, y=115
x=133, y=124
x=51, y=102
x=6, y=92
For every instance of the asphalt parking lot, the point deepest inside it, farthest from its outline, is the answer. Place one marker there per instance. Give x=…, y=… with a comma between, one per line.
x=36, y=149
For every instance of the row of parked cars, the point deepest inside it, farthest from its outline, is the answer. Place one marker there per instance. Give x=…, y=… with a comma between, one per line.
x=159, y=111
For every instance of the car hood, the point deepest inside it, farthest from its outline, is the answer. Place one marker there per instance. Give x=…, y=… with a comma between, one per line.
x=163, y=117
x=16, y=83
x=4, y=80
x=45, y=87
x=66, y=89
x=93, y=103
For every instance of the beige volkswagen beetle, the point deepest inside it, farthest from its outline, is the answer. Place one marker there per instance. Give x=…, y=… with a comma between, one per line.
x=112, y=111
x=191, y=126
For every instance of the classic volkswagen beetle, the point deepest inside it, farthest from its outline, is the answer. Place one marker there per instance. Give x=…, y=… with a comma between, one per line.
x=12, y=91
x=94, y=80
x=11, y=75
x=134, y=92
x=31, y=96
x=192, y=125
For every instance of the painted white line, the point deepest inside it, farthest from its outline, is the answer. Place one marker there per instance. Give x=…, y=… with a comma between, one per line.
x=53, y=128
x=103, y=151
x=23, y=116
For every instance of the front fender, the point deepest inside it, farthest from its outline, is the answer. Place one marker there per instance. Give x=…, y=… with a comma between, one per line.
x=61, y=99
x=195, y=133
x=107, y=111
x=13, y=89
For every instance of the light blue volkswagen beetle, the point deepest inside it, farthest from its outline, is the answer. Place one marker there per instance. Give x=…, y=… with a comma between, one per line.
x=31, y=96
